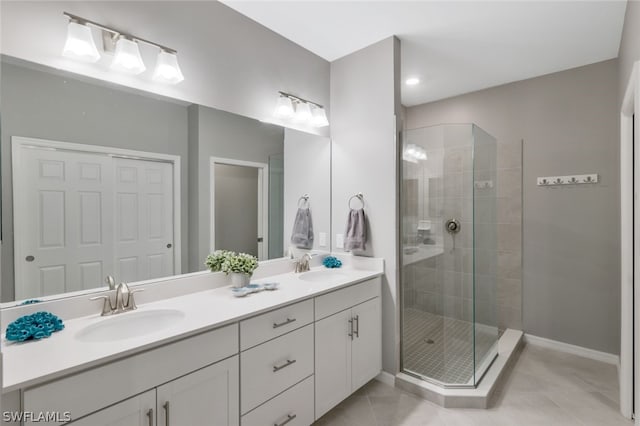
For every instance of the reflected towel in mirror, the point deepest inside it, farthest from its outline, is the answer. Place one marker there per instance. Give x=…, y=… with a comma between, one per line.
x=302, y=235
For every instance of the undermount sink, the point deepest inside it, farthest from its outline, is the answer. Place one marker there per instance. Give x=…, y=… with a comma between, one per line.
x=322, y=275
x=130, y=324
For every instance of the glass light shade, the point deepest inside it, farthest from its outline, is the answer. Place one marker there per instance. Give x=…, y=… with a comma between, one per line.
x=284, y=108
x=80, y=44
x=127, y=57
x=167, y=69
x=319, y=117
x=303, y=112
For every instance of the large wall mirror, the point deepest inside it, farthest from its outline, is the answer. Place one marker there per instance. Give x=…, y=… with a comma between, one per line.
x=99, y=180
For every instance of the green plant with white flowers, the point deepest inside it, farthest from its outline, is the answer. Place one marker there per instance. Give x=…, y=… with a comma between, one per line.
x=228, y=261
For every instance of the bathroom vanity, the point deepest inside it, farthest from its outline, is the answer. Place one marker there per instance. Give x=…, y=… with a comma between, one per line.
x=274, y=357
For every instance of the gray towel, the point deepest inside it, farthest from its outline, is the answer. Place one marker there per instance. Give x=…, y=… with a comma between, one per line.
x=355, y=236
x=302, y=235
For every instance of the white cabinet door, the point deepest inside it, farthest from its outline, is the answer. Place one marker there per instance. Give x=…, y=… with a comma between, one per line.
x=333, y=361
x=136, y=411
x=207, y=397
x=366, y=351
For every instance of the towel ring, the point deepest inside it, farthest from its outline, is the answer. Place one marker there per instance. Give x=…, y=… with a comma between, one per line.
x=304, y=199
x=359, y=196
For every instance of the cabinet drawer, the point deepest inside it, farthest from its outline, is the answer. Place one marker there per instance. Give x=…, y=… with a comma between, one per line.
x=345, y=298
x=267, y=326
x=294, y=406
x=89, y=391
x=270, y=368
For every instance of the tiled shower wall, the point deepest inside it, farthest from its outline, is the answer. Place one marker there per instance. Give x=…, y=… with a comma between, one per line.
x=444, y=284
x=509, y=215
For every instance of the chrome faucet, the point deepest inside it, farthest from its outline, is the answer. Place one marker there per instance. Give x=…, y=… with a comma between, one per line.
x=302, y=264
x=124, y=300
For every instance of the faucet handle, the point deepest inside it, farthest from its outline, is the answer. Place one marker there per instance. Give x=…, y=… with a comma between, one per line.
x=131, y=302
x=107, y=306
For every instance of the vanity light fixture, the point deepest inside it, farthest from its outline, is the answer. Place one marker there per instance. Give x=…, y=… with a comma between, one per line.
x=305, y=112
x=80, y=44
x=167, y=68
x=127, y=58
x=284, y=107
x=319, y=117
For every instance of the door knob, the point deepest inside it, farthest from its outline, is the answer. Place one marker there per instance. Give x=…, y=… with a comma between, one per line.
x=169, y=245
x=29, y=258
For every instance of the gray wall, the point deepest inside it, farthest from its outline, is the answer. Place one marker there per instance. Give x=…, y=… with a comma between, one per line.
x=629, y=45
x=61, y=108
x=229, y=61
x=236, y=204
x=215, y=133
x=569, y=123
x=364, y=107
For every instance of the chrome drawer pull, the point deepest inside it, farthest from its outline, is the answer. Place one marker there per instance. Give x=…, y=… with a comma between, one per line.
x=350, y=334
x=286, y=364
x=289, y=418
x=357, y=322
x=288, y=321
x=150, y=415
x=166, y=413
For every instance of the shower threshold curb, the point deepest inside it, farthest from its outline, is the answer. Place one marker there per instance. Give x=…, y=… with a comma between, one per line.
x=508, y=350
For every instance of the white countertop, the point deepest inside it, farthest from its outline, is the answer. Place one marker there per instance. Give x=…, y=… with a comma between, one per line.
x=33, y=362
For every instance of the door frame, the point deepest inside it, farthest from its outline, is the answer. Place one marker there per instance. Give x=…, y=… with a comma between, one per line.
x=630, y=243
x=263, y=199
x=20, y=142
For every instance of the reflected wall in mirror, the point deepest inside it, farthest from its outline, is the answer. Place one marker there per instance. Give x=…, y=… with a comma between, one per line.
x=102, y=180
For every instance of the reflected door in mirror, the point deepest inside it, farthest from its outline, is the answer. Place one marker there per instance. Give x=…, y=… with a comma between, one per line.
x=81, y=216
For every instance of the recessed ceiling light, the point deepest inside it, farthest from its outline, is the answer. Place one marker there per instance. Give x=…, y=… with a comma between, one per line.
x=412, y=81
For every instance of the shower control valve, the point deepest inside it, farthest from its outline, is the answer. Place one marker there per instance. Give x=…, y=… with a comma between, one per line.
x=452, y=226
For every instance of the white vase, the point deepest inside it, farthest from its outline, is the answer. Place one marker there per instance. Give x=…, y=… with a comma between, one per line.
x=239, y=279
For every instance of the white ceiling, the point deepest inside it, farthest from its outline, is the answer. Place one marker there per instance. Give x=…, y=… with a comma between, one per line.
x=454, y=47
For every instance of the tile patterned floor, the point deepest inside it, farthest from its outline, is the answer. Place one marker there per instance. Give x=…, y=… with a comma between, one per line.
x=545, y=388
x=449, y=358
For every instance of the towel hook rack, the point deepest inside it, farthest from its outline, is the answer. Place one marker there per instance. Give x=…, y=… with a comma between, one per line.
x=304, y=199
x=359, y=196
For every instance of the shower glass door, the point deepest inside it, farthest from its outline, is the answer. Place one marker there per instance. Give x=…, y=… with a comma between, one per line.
x=448, y=254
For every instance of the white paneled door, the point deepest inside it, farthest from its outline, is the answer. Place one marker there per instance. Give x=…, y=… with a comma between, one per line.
x=143, y=219
x=80, y=216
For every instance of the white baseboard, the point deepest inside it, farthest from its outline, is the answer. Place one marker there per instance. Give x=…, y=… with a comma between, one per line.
x=612, y=359
x=386, y=378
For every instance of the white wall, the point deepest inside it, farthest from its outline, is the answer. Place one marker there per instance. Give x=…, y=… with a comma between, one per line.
x=229, y=61
x=307, y=165
x=364, y=110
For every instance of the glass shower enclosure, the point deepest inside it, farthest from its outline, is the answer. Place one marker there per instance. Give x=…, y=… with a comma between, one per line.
x=448, y=254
